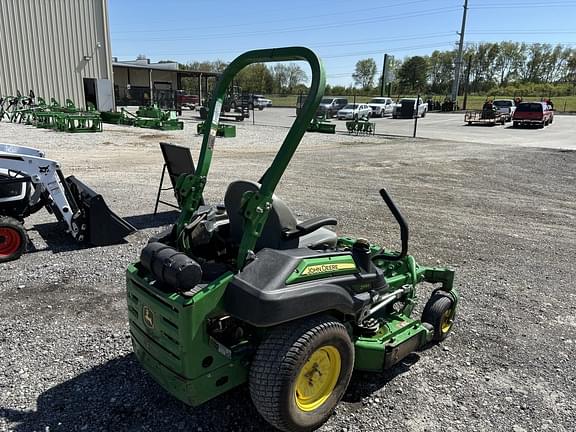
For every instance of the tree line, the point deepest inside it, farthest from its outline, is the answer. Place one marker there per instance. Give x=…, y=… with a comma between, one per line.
x=512, y=68
x=499, y=67
x=279, y=78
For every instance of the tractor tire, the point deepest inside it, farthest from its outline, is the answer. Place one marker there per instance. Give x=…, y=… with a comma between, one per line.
x=437, y=313
x=300, y=372
x=13, y=239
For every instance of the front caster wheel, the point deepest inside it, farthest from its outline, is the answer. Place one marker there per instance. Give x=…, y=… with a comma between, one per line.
x=300, y=372
x=439, y=313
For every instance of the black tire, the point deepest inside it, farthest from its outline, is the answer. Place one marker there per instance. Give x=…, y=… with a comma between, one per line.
x=515, y=124
x=13, y=239
x=423, y=114
x=277, y=365
x=439, y=314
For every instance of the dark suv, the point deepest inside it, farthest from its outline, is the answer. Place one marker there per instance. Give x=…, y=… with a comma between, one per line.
x=331, y=105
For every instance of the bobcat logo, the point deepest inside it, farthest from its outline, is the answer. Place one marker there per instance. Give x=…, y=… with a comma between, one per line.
x=148, y=317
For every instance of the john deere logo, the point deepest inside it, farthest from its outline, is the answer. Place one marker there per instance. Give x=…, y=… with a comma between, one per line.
x=327, y=268
x=148, y=317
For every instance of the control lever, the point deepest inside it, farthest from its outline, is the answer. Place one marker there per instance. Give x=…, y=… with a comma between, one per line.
x=404, y=234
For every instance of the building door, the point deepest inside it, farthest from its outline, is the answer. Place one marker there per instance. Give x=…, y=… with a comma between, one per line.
x=100, y=93
x=164, y=96
x=90, y=92
x=104, y=95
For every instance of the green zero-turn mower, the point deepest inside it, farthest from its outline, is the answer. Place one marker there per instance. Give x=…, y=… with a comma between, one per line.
x=244, y=292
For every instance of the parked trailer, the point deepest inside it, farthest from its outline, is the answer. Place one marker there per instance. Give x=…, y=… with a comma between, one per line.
x=485, y=118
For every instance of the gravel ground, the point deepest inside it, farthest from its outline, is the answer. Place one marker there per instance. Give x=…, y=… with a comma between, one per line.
x=503, y=216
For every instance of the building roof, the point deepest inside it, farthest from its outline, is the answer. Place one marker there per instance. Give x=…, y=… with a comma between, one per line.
x=167, y=67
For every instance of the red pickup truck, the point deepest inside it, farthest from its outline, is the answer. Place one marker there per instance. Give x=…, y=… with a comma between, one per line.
x=533, y=113
x=186, y=100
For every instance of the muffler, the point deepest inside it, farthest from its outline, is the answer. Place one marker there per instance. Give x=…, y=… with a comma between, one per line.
x=100, y=225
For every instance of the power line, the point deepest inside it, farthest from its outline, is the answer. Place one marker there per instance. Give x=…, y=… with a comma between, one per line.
x=324, y=45
x=524, y=6
x=299, y=19
x=435, y=11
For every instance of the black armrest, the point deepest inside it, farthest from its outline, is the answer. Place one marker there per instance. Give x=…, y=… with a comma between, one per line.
x=308, y=226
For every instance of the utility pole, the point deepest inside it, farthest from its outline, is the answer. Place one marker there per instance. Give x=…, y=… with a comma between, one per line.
x=456, y=83
x=384, y=64
x=467, y=81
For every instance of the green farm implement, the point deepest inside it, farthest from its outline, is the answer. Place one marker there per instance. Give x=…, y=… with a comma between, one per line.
x=224, y=130
x=150, y=117
x=245, y=293
x=361, y=127
x=67, y=118
x=320, y=124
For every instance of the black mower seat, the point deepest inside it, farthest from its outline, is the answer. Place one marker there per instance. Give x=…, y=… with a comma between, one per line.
x=282, y=229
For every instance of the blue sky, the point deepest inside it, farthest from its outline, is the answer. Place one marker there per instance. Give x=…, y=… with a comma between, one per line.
x=340, y=31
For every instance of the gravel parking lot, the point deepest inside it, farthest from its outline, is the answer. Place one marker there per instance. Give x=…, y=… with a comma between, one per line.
x=496, y=204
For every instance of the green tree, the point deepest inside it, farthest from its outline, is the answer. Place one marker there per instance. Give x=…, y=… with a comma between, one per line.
x=255, y=78
x=280, y=77
x=295, y=76
x=412, y=75
x=287, y=77
x=441, y=71
x=338, y=90
x=507, y=62
x=365, y=73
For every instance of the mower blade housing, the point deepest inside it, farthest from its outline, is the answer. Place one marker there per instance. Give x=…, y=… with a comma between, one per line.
x=103, y=226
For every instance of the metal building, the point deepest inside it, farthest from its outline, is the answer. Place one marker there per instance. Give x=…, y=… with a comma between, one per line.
x=57, y=48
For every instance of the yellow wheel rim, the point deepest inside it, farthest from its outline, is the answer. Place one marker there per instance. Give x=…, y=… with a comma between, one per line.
x=446, y=321
x=317, y=378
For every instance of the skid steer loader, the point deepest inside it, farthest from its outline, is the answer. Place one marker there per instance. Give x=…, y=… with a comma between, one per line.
x=29, y=181
x=245, y=293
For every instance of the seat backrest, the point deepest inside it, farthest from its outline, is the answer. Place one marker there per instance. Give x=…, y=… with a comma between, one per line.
x=178, y=161
x=279, y=218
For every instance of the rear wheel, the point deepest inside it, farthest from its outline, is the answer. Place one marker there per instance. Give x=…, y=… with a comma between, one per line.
x=439, y=312
x=300, y=372
x=12, y=239
x=515, y=124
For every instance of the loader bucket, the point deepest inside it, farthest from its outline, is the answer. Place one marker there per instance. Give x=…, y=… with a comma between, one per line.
x=103, y=226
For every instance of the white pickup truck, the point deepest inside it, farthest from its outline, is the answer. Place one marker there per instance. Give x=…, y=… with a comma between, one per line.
x=405, y=108
x=381, y=106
